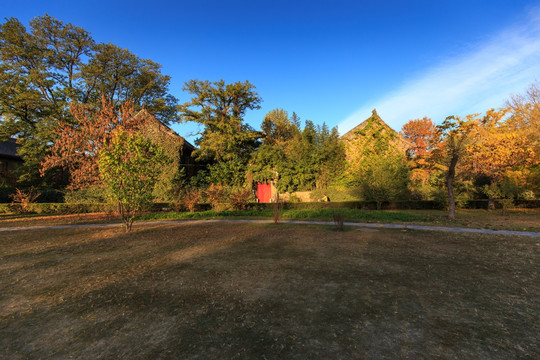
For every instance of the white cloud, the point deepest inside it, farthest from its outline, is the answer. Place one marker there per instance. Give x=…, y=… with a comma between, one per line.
x=472, y=82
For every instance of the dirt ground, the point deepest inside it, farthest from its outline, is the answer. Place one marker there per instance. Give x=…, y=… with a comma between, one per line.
x=513, y=219
x=243, y=291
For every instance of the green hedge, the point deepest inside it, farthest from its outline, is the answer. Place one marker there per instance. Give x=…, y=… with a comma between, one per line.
x=81, y=208
x=483, y=204
x=365, y=205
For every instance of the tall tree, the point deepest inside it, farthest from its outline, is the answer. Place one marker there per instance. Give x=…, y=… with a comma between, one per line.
x=45, y=69
x=39, y=78
x=78, y=146
x=225, y=139
x=525, y=122
x=454, y=136
x=295, y=159
x=277, y=128
x=119, y=75
x=220, y=108
x=497, y=150
x=422, y=136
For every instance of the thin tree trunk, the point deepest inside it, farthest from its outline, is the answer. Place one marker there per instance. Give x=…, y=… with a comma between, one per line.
x=450, y=185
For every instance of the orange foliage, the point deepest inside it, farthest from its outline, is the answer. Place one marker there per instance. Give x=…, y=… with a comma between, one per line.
x=422, y=134
x=79, y=144
x=497, y=146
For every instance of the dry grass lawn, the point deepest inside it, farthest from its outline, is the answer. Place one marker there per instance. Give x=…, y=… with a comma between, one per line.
x=221, y=291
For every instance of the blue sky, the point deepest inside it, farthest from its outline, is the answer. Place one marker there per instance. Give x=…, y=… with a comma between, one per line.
x=329, y=61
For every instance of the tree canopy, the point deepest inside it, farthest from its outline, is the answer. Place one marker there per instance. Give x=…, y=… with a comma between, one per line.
x=297, y=159
x=51, y=65
x=220, y=108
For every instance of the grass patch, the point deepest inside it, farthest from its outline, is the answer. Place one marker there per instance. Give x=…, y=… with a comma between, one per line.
x=266, y=291
x=293, y=214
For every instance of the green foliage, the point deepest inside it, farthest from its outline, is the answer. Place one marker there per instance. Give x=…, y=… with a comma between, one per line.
x=380, y=139
x=240, y=198
x=338, y=194
x=505, y=191
x=294, y=159
x=370, y=140
x=220, y=108
x=231, y=173
x=130, y=169
x=52, y=64
x=217, y=195
x=89, y=195
x=226, y=140
x=384, y=179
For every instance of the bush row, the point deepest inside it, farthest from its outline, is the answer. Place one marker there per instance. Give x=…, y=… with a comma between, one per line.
x=81, y=208
x=73, y=208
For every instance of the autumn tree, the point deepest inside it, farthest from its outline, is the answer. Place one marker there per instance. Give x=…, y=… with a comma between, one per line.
x=525, y=122
x=499, y=150
x=52, y=64
x=129, y=166
x=225, y=139
x=422, y=136
x=79, y=144
x=454, y=136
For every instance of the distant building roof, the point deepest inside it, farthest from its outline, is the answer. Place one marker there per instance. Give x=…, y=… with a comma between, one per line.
x=352, y=133
x=9, y=149
x=145, y=114
x=357, y=138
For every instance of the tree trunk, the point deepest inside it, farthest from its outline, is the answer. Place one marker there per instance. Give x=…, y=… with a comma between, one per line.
x=450, y=186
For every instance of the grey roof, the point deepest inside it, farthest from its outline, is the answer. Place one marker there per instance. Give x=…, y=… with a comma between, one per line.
x=9, y=148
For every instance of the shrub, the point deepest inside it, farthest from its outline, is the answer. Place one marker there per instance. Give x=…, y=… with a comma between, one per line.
x=216, y=194
x=5, y=209
x=95, y=194
x=239, y=199
x=22, y=201
x=187, y=200
x=294, y=199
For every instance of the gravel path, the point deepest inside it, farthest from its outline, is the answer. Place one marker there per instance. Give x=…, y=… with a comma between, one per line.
x=360, y=226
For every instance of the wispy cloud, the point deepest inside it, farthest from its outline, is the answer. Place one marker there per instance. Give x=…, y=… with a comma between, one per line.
x=474, y=81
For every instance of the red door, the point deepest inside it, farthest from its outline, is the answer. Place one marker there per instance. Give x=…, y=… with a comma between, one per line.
x=264, y=192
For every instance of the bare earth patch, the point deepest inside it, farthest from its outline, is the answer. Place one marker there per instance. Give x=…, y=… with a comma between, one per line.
x=214, y=291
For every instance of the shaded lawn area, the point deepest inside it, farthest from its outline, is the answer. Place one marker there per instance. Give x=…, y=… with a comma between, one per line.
x=214, y=291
